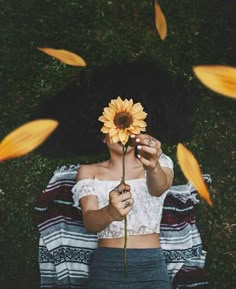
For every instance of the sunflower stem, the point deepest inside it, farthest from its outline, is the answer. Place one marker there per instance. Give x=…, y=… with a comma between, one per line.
x=125, y=245
x=125, y=220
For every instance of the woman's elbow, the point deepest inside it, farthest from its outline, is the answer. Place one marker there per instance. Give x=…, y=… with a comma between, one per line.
x=89, y=228
x=88, y=225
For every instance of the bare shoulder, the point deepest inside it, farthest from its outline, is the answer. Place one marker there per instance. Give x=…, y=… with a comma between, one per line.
x=88, y=171
x=85, y=172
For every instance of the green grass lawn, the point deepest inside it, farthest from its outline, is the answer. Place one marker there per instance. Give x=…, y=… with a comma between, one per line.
x=104, y=32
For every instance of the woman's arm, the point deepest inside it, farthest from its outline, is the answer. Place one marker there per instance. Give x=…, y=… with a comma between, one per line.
x=159, y=178
x=95, y=219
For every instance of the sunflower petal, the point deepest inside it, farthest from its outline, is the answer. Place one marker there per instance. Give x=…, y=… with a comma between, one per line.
x=192, y=171
x=102, y=118
x=126, y=138
x=112, y=104
x=139, y=123
x=109, y=124
x=136, y=108
x=119, y=103
x=221, y=79
x=65, y=56
x=113, y=131
x=123, y=136
x=140, y=115
x=134, y=130
x=26, y=138
x=108, y=113
x=160, y=21
x=126, y=105
x=114, y=138
x=130, y=104
x=105, y=129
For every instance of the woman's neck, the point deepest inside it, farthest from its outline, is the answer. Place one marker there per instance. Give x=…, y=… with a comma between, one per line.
x=131, y=161
x=111, y=169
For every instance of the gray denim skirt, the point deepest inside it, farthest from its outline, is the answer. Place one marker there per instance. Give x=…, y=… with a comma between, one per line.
x=146, y=269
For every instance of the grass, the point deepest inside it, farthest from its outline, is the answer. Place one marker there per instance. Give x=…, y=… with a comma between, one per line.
x=103, y=32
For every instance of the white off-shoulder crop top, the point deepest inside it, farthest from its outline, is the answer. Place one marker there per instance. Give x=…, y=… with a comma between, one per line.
x=145, y=216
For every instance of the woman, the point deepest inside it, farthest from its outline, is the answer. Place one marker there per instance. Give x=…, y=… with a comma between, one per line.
x=106, y=201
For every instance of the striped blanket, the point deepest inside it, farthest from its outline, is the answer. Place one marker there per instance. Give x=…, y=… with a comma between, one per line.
x=66, y=248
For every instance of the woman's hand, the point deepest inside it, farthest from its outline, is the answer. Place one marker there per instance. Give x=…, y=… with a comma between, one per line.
x=120, y=202
x=149, y=150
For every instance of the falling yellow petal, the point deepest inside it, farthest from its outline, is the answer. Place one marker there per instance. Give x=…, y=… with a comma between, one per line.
x=192, y=171
x=26, y=138
x=160, y=21
x=65, y=56
x=219, y=78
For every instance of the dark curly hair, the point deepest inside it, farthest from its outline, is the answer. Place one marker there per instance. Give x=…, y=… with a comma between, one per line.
x=166, y=98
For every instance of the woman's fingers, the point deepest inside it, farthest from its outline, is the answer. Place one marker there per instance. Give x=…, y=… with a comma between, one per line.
x=146, y=149
x=126, y=208
x=149, y=150
x=119, y=198
x=144, y=161
x=121, y=203
x=121, y=188
x=149, y=142
x=126, y=203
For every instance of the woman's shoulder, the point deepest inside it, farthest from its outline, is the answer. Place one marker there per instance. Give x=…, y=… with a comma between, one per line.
x=85, y=172
x=166, y=161
x=88, y=171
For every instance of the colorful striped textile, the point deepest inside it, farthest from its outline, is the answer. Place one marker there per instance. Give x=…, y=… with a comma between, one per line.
x=66, y=248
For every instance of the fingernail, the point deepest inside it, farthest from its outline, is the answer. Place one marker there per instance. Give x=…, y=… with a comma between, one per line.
x=132, y=135
x=137, y=140
x=139, y=147
x=139, y=156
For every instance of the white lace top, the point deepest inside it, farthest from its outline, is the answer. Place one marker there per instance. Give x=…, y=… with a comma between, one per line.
x=145, y=216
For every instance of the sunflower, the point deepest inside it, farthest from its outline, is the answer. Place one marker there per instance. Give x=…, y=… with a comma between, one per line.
x=123, y=118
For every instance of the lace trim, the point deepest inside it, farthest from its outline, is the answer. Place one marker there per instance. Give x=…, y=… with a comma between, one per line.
x=65, y=169
x=81, y=189
x=119, y=232
x=65, y=172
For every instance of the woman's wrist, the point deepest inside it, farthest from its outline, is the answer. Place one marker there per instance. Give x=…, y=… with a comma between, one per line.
x=108, y=210
x=156, y=180
x=155, y=169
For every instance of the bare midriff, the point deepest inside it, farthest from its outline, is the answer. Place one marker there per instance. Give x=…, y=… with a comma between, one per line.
x=134, y=242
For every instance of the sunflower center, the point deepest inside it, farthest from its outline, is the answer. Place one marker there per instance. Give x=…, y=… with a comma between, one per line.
x=123, y=120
